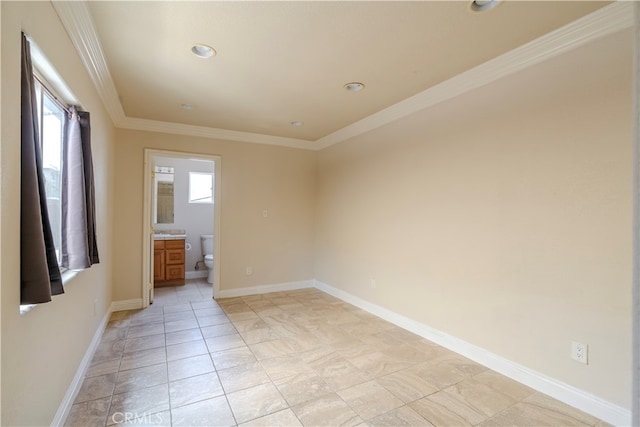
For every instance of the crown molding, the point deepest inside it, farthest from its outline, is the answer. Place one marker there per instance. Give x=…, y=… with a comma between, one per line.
x=213, y=133
x=76, y=19
x=608, y=20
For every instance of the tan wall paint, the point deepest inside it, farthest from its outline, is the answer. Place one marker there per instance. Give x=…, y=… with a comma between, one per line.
x=254, y=177
x=502, y=217
x=41, y=351
x=1, y=216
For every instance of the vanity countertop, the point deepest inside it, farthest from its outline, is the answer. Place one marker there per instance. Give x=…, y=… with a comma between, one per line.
x=170, y=235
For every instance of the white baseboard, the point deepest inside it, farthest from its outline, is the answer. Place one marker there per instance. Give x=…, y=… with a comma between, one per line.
x=129, y=304
x=563, y=392
x=76, y=383
x=265, y=289
x=196, y=274
x=566, y=393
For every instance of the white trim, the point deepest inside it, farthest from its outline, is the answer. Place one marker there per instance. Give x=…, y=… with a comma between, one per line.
x=70, y=396
x=212, y=133
x=149, y=154
x=148, y=245
x=45, y=71
x=563, y=392
x=635, y=342
x=128, y=304
x=76, y=19
x=196, y=274
x=608, y=20
x=265, y=289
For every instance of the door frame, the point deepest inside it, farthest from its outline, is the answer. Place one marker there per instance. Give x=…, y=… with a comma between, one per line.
x=635, y=342
x=147, y=215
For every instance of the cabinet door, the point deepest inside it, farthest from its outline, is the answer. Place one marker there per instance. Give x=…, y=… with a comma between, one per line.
x=174, y=272
x=174, y=256
x=174, y=244
x=158, y=265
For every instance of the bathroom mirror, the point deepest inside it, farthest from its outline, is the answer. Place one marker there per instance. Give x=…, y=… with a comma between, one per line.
x=163, y=212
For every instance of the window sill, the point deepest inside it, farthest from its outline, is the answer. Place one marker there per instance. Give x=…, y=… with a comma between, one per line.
x=67, y=276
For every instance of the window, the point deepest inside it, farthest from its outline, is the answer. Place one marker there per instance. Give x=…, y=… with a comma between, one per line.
x=200, y=187
x=51, y=117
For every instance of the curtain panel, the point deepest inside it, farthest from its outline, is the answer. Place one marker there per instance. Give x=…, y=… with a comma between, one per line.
x=79, y=245
x=40, y=276
x=39, y=272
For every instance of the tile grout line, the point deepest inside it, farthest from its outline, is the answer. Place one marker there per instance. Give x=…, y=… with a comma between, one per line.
x=166, y=356
x=226, y=398
x=306, y=307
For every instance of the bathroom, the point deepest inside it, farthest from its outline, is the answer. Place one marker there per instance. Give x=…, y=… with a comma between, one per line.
x=184, y=195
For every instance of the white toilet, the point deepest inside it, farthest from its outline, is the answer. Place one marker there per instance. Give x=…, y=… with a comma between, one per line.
x=206, y=242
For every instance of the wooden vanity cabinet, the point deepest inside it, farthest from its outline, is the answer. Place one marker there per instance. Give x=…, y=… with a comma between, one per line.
x=168, y=262
x=158, y=261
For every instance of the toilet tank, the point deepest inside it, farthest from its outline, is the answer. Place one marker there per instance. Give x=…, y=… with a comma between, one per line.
x=206, y=243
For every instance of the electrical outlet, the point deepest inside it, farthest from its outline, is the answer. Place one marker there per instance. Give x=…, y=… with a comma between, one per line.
x=95, y=307
x=580, y=352
x=248, y=271
x=373, y=284
x=265, y=213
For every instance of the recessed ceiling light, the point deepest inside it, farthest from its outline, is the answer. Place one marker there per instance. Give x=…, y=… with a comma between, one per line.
x=354, y=86
x=203, y=51
x=187, y=106
x=297, y=123
x=483, y=5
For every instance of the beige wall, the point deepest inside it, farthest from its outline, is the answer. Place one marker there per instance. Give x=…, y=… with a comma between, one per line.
x=254, y=177
x=502, y=217
x=41, y=350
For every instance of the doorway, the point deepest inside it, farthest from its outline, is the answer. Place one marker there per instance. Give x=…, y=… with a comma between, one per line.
x=181, y=209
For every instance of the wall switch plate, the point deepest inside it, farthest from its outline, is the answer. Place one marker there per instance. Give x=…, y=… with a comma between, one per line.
x=265, y=213
x=248, y=271
x=580, y=352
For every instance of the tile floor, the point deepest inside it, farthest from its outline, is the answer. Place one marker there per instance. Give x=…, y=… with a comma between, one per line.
x=290, y=358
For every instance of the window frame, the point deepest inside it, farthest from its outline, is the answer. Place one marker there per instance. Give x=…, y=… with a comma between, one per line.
x=210, y=200
x=44, y=94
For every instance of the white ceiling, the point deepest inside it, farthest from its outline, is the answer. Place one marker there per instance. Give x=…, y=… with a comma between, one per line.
x=279, y=62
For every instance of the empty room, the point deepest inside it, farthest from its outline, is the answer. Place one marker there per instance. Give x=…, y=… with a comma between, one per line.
x=319, y=213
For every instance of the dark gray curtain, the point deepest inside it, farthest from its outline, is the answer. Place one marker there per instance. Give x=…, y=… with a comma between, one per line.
x=79, y=246
x=39, y=273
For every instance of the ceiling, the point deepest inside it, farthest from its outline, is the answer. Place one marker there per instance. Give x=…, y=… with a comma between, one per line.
x=279, y=62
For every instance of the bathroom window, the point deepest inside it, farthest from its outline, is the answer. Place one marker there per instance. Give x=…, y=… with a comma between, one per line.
x=200, y=187
x=51, y=128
